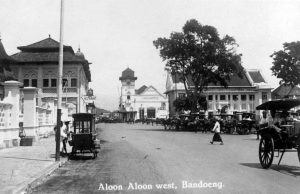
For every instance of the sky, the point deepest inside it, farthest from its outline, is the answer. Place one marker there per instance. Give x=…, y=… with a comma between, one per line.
x=116, y=34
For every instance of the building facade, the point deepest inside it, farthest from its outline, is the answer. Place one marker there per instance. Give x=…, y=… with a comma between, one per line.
x=37, y=66
x=145, y=102
x=241, y=95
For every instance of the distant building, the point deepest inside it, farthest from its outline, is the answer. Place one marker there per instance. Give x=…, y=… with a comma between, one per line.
x=145, y=102
x=285, y=91
x=37, y=66
x=241, y=95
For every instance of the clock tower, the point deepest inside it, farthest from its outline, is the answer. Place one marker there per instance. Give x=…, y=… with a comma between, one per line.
x=128, y=88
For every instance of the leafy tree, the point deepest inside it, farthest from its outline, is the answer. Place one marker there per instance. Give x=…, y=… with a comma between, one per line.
x=186, y=103
x=286, y=63
x=200, y=57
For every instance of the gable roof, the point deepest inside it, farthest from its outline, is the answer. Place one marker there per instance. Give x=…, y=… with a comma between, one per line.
x=235, y=81
x=283, y=91
x=141, y=89
x=256, y=76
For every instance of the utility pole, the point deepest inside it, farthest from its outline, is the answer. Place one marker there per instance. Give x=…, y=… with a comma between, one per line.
x=59, y=88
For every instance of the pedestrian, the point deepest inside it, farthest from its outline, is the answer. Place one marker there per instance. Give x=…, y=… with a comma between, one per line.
x=217, y=130
x=64, y=138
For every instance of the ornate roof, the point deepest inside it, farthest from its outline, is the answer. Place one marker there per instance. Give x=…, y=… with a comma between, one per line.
x=128, y=74
x=44, y=45
x=4, y=58
x=47, y=51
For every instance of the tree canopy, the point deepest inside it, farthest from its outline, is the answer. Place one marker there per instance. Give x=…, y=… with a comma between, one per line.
x=286, y=64
x=199, y=56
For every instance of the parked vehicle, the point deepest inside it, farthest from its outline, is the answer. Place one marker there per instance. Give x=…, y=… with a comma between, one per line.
x=84, y=135
x=285, y=140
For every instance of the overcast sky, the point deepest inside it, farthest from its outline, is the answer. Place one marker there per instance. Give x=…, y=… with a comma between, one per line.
x=116, y=34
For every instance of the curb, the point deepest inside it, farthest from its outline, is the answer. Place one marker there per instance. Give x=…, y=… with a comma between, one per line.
x=28, y=185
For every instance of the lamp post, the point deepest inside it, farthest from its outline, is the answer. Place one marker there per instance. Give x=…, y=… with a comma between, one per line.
x=59, y=88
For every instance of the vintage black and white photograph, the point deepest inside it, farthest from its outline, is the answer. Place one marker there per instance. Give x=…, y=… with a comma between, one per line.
x=149, y=96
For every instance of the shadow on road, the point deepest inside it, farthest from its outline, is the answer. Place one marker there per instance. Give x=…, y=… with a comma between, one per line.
x=284, y=169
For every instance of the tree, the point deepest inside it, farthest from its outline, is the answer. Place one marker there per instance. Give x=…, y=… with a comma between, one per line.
x=286, y=63
x=200, y=57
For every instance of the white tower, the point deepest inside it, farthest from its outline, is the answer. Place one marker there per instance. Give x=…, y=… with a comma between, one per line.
x=128, y=89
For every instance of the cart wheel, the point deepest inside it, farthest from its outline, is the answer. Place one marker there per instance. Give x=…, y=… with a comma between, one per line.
x=298, y=152
x=266, y=152
x=94, y=154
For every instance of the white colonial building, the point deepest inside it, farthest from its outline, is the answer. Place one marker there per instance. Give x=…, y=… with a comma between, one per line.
x=145, y=102
x=242, y=94
x=36, y=65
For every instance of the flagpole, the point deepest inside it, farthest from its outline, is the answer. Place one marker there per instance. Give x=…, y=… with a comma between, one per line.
x=59, y=88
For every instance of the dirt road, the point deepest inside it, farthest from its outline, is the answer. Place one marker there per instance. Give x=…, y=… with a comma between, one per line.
x=146, y=159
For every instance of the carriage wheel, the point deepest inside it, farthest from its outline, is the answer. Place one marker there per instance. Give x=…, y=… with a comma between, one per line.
x=266, y=152
x=298, y=152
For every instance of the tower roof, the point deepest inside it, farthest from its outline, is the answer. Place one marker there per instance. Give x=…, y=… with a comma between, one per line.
x=79, y=54
x=128, y=74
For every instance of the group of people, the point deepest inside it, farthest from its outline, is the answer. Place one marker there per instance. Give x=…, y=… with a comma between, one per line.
x=275, y=119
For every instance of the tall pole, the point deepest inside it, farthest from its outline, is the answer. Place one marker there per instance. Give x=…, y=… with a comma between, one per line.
x=59, y=88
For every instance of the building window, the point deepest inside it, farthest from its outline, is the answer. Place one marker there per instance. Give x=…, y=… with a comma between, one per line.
x=34, y=82
x=163, y=106
x=53, y=82
x=251, y=97
x=216, y=97
x=235, y=107
x=45, y=82
x=243, y=97
x=264, y=97
x=128, y=97
x=244, y=106
x=73, y=82
x=181, y=95
x=26, y=82
x=235, y=97
x=228, y=97
x=150, y=112
x=222, y=97
x=141, y=113
x=210, y=97
x=65, y=83
x=210, y=106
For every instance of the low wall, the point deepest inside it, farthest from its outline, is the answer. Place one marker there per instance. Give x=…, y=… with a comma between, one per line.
x=9, y=137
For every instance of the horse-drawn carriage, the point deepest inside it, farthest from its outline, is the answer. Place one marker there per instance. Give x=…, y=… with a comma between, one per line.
x=287, y=139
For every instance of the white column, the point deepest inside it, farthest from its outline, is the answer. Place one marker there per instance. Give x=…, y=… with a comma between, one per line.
x=29, y=119
x=12, y=95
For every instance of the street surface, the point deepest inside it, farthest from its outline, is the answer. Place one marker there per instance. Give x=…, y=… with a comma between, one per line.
x=137, y=158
